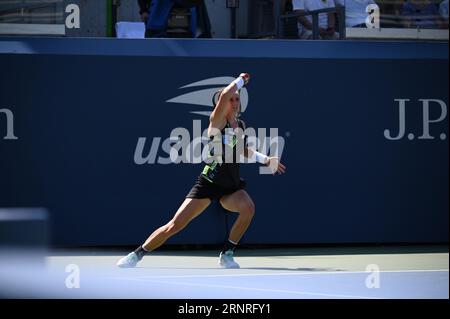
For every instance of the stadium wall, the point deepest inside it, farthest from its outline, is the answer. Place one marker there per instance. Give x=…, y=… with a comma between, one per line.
x=362, y=128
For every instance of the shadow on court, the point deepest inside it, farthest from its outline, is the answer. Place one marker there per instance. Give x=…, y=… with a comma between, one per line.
x=247, y=268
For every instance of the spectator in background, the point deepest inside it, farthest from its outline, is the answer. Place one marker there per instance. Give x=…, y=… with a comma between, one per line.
x=327, y=21
x=422, y=14
x=390, y=13
x=443, y=11
x=286, y=6
x=144, y=7
x=155, y=14
x=355, y=12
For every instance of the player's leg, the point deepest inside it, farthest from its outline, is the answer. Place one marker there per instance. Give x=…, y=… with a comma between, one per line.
x=241, y=203
x=191, y=208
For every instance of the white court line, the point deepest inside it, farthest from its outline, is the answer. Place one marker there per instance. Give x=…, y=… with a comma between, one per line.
x=288, y=274
x=252, y=289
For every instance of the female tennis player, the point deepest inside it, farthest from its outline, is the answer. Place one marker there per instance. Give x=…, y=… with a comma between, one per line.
x=219, y=179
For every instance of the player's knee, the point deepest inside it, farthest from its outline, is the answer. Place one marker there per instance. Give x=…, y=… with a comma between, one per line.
x=248, y=209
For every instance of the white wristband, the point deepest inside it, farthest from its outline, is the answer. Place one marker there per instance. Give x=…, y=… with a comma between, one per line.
x=261, y=158
x=239, y=82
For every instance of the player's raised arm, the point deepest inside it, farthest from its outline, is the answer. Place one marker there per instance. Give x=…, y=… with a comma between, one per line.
x=220, y=110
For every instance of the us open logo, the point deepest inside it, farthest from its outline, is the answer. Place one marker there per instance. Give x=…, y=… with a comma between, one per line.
x=203, y=97
x=180, y=147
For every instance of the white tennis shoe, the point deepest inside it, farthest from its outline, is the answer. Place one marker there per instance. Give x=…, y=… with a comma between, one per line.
x=226, y=260
x=129, y=261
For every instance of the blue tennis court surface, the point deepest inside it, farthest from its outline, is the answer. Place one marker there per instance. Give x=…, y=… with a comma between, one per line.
x=268, y=274
x=399, y=284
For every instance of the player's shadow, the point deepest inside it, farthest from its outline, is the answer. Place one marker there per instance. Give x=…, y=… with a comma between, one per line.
x=254, y=268
x=312, y=269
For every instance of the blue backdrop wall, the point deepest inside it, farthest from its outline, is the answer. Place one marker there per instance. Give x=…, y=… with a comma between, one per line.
x=364, y=125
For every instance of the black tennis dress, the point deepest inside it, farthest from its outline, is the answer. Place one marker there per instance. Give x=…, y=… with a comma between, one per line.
x=219, y=179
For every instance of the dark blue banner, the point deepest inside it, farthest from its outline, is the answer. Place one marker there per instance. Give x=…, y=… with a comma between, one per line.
x=364, y=138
